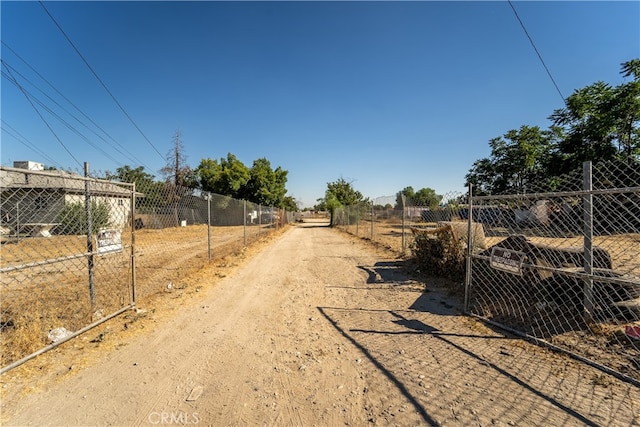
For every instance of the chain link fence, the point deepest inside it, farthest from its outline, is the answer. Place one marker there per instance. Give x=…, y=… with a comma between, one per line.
x=563, y=266
x=558, y=264
x=394, y=221
x=77, y=251
x=66, y=256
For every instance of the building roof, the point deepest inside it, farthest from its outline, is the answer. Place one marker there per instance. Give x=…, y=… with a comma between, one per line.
x=58, y=180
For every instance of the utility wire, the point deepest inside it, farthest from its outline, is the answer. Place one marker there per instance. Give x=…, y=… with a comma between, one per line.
x=67, y=124
x=130, y=156
x=24, y=141
x=57, y=116
x=13, y=80
x=100, y=80
x=536, y=49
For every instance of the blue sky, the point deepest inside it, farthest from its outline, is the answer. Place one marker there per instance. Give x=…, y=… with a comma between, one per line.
x=383, y=94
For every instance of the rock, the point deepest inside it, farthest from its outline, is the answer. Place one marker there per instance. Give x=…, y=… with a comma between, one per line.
x=97, y=315
x=58, y=334
x=195, y=393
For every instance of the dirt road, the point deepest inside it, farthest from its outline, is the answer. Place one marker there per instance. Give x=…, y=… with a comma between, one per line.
x=319, y=329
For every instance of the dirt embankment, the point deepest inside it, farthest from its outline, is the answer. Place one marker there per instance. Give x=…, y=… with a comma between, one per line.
x=318, y=329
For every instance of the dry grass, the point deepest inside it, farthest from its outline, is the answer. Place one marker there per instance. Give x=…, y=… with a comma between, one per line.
x=38, y=299
x=158, y=309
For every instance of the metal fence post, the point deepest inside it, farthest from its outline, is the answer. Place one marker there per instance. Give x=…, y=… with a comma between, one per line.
x=468, y=277
x=358, y=218
x=209, y=226
x=244, y=204
x=133, y=243
x=404, y=200
x=18, y=221
x=90, y=263
x=587, y=206
x=372, y=220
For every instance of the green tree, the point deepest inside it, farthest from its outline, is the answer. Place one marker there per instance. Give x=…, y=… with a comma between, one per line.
x=321, y=205
x=481, y=176
x=341, y=193
x=424, y=197
x=265, y=185
x=517, y=162
x=131, y=175
x=427, y=197
x=290, y=204
x=152, y=191
x=209, y=172
x=408, y=193
x=73, y=218
x=600, y=121
x=588, y=128
x=228, y=177
x=626, y=111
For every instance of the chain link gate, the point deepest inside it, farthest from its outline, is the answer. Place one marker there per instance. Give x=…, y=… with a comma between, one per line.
x=562, y=267
x=66, y=259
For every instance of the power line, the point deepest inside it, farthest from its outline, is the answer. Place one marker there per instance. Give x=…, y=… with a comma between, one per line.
x=57, y=116
x=24, y=141
x=100, y=80
x=13, y=80
x=130, y=156
x=67, y=124
x=536, y=49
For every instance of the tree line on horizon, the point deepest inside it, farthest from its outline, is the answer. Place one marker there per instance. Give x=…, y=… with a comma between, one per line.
x=260, y=183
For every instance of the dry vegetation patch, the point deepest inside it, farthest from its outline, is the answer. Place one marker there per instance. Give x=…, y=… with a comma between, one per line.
x=152, y=311
x=49, y=294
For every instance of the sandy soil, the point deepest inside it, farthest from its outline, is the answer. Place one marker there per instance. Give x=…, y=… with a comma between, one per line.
x=315, y=329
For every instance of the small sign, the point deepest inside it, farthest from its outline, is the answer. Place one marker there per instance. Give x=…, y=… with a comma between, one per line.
x=109, y=240
x=507, y=260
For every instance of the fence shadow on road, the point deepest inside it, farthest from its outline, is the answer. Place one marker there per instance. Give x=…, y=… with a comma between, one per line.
x=455, y=355
x=381, y=367
x=453, y=369
x=416, y=325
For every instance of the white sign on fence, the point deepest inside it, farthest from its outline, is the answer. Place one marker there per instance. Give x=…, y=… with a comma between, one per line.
x=507, y=260
x=109, y=240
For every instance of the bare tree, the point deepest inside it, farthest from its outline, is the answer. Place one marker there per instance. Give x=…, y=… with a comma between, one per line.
x=176, y=171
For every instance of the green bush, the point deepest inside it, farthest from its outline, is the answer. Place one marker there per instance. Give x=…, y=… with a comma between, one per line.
x=73, y=218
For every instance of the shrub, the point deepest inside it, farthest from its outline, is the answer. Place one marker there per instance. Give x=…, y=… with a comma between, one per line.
x=73, y=218
x=440, y=255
